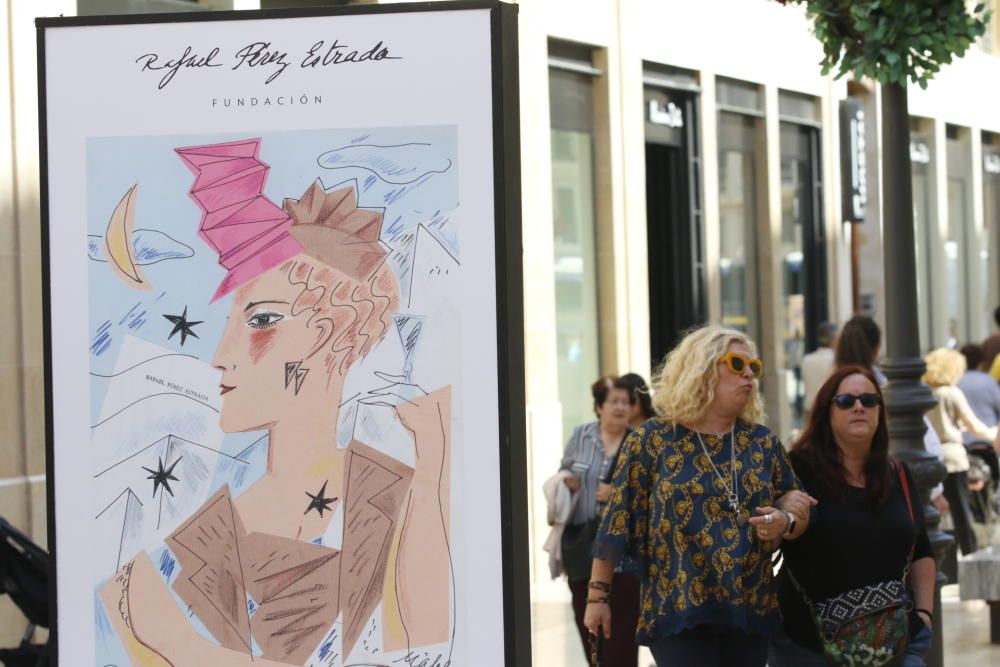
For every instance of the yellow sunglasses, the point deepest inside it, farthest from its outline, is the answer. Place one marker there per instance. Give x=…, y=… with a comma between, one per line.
x=736, y=362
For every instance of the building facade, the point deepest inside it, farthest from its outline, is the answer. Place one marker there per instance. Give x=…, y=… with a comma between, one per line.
x=683, y=162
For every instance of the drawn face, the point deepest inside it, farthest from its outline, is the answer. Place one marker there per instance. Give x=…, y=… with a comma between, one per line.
x=262, y=355
x=733, y=390
x=856, y=423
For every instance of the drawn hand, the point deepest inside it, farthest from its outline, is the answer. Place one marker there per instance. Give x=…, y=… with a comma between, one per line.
x=138, y=603
x=393, y=393
x=429, y=418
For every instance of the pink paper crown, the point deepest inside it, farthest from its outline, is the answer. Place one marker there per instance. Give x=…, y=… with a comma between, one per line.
x=248, y=230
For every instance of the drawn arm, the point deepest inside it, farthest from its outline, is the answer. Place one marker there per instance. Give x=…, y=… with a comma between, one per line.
x=422, y=564
x=153, y=628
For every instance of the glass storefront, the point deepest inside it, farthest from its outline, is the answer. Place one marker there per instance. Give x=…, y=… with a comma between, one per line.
x=962, y=272
x=673, y=207
x=990, y=273
x=571, y=100
x=923, y=233
x=738, y=210
x=955, y=250
x=802, y=256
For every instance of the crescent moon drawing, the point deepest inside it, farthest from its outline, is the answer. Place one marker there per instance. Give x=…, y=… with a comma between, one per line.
x=118, y=243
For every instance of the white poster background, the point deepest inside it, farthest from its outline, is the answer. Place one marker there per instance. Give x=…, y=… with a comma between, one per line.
x=95, y=88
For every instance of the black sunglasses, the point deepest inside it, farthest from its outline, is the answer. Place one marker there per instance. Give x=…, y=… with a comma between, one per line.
x=846, y=401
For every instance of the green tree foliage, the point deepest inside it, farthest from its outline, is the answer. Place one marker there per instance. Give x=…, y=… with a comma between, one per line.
x=891, y=41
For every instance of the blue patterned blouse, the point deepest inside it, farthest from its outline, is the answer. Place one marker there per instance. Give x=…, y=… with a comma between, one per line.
x=668, y=517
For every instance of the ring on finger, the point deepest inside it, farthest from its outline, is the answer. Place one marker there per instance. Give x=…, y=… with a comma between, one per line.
x=769, y=518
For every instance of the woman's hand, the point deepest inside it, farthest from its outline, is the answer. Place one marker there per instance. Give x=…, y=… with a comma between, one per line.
x=798, y=503
x=770, y=523
x=603, y=492
x=941, y=504
x=597, y=616
x=572, y=481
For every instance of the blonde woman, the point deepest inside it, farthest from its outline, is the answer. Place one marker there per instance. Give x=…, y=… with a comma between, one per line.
x=949, y=417
x=693, y=511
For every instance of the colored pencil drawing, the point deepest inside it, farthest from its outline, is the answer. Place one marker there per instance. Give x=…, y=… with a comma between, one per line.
x=298, y=512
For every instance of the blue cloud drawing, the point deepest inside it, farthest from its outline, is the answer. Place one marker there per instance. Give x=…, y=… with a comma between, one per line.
x=400, y=164
x=150, y=247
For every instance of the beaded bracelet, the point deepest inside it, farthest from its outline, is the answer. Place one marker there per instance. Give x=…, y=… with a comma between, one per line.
x=603, y=600
x=600, y=586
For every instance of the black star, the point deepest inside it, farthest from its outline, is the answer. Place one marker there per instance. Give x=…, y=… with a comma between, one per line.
x=319, y=502
x=182, y=324
x=161, y=476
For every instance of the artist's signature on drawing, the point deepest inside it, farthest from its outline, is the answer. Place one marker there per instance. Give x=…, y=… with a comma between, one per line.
x=412, y=659
x=262, y=55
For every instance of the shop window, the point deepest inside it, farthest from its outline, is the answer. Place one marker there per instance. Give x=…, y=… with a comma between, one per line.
x=739, y=95
x=965, y=249
x=674, y=240
x=571, y=102
x=989, y=266
x=798, y=108
x=924, y=231
x=803, y=254
x=739, y=166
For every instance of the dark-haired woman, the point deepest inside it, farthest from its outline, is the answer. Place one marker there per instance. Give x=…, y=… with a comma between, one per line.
x=639, y=397
x=589, y=455
x=858, y=345
x=868, y=529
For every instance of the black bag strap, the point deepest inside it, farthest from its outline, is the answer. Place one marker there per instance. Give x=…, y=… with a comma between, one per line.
x=798, y=587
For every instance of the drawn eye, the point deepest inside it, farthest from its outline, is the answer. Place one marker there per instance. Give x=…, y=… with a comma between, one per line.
x=263, y=319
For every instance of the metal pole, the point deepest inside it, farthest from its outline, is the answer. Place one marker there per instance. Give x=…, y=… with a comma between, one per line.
x=907, y=398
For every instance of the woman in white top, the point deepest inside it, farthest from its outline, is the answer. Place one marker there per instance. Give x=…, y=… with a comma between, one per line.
x=949, y=417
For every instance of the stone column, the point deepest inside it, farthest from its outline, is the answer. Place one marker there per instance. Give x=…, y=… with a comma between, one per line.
x=907, y=398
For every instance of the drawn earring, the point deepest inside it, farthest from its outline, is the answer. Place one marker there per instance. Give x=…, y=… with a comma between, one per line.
x=294, y=371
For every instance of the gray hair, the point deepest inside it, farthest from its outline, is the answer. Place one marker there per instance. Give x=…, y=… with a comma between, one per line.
x=826, y=333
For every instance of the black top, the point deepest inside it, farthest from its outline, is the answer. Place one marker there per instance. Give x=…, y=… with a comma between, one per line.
x=611, y=462
x=847, y=545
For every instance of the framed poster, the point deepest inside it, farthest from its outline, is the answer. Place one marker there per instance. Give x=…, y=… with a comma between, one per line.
x=283, y=337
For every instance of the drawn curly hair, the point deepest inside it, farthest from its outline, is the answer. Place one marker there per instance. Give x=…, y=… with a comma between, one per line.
x=346, y=283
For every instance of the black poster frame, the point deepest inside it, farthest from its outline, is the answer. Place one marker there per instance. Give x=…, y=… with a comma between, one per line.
x=509, y=286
